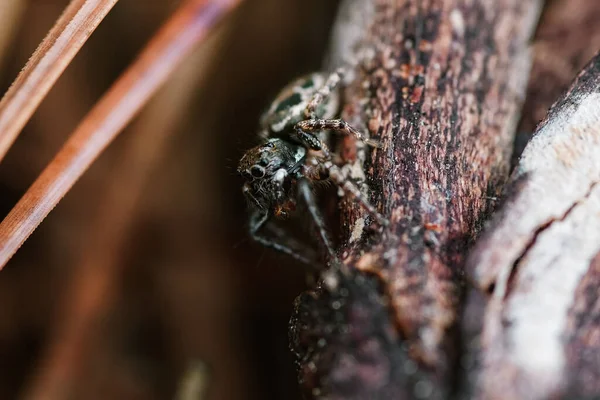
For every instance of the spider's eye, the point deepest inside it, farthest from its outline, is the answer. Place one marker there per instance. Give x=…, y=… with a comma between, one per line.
x=257, y=171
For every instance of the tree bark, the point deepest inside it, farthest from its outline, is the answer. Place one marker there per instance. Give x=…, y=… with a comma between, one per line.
x=440, y=84
x=539, y=263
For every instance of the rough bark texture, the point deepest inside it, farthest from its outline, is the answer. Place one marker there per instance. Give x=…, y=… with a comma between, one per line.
x=440, y=85
x=539, y=261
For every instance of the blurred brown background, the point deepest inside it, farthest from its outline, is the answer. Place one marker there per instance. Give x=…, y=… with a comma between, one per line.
x=145, y=267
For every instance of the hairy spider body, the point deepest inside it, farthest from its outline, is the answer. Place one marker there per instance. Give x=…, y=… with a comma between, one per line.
x=271, y=170
x=289, y=107
x=293, y=155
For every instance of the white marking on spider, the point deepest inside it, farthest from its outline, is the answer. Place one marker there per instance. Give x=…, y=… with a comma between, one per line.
x=300, y=153
x=280, y=175
x=358, y=230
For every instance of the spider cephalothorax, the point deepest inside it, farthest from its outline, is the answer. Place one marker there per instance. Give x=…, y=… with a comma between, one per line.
x=293, y=155
x=270, y=171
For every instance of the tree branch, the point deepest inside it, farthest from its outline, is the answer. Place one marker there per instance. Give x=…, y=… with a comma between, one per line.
x=540, y=261
x=442, y=92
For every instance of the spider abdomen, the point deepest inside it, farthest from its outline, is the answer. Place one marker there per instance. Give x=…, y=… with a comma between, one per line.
x=288, y=108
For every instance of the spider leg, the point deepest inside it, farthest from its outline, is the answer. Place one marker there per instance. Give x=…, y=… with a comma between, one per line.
x=283, y=236
x=349, y=187
x=304, y=131
x=257, y=221
x=334, y=125
x=307, y=139
x=305, y=190
x=332, y=82
x=248, y=194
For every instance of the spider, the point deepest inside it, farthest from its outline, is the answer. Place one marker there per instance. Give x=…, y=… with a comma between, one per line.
x=292, y=156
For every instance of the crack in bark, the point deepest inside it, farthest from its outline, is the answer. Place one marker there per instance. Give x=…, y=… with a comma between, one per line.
x=533, y=240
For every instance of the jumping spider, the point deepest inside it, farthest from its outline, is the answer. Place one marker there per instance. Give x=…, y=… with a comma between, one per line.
x=292, y=156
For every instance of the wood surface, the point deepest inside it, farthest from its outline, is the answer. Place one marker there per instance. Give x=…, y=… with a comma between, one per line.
x=440, y=84
x=537, y=265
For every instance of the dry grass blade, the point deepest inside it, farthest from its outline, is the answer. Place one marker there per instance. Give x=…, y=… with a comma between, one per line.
x=92, y=293
x=46, y=64
x=168, y=48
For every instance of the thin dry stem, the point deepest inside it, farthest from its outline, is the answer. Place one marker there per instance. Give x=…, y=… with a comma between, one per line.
x=189, y=25
x=47, y=63
x=92, y=290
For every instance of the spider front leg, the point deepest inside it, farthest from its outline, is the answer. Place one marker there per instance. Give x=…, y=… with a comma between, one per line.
x=314, y=123
x=258, y=221
x=324, y=92
x=340, y=126
x=305, y=190
x=336, y=175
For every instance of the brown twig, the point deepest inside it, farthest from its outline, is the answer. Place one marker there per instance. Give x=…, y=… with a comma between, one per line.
x=54, y=54
x=166, y=50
